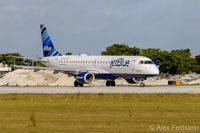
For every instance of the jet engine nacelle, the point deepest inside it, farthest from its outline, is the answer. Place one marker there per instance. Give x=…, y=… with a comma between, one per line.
x=85, y=77
x=135, y=80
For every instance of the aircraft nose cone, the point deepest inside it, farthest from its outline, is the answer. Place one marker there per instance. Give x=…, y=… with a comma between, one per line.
x=157, y=72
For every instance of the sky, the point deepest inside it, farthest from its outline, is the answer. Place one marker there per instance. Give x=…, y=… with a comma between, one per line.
x=89, y=26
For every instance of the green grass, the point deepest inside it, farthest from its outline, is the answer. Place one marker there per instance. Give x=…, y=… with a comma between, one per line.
x=52, y=113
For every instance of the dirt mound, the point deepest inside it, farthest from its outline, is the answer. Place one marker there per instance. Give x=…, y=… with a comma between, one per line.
x=47, y=77
x=30, y=77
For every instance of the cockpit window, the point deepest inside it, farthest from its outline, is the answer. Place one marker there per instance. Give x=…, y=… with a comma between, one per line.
x=146, y=62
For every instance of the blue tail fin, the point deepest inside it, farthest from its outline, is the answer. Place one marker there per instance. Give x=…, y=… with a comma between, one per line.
x=47, y=45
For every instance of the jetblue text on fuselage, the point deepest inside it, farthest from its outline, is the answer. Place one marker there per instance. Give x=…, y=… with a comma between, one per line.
x=119, y=62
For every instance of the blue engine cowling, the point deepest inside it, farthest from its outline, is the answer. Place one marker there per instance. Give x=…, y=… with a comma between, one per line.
x=85, y=77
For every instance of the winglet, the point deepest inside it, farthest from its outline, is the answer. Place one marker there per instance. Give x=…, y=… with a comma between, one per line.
x=6, y=60
x=155, y=60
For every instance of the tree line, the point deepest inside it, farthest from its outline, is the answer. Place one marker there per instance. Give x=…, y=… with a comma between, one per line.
x=12, y=59
x=174, y=62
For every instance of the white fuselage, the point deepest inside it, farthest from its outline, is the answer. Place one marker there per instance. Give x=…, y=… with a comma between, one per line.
x=132, y=66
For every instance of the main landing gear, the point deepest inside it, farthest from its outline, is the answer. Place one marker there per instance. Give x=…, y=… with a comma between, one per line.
x=110, y=83
x=77, y=84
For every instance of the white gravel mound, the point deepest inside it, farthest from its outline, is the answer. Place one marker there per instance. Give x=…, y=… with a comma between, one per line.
x=185, y=79
x=42, y=77
x=48, y=77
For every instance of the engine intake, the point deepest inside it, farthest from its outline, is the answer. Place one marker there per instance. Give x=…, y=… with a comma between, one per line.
x=85, y=77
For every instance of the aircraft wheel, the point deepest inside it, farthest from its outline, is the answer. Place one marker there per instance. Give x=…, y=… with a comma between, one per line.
x=108, y=83
x=80, y=84
x=76, y=83
x=142, y=85
x=112, y=83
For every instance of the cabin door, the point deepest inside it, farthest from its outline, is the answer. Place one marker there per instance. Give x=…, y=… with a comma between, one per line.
x=95, y=61
x=56, y=62
x=133, y=65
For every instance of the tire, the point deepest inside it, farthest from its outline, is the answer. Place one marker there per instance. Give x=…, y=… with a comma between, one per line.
x=112, y=83
x=108, y=83
x=142, y=85
x=80, y=84
x=76, y=83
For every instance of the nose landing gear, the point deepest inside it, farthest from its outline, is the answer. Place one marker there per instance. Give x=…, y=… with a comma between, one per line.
x=142, y=85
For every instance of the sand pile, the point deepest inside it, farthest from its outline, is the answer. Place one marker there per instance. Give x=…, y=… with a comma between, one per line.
x=188, y=78
x=156, y=81
x=42, y=77
x=47, y=77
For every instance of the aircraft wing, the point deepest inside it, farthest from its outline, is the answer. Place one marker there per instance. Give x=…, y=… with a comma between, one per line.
x=70, y=71
x=32, y=59
x=44, y=68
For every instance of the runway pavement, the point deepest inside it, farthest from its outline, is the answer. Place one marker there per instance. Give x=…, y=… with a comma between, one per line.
x=130, y=89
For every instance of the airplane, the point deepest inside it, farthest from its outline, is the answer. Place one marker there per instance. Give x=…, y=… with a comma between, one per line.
x=86, y=69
